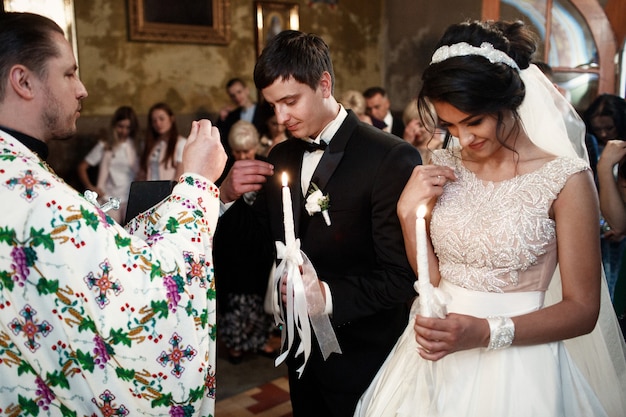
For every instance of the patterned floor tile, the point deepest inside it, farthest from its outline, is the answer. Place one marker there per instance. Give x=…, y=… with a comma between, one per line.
x=267, y=400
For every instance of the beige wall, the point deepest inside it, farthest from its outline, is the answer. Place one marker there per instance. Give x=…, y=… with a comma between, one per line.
x=191, y=78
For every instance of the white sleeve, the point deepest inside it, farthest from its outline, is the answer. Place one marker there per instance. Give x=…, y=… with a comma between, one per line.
x=178, y=152
x=94, y=156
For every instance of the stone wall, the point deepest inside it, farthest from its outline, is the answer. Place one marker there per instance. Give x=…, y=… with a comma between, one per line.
x=190, y=77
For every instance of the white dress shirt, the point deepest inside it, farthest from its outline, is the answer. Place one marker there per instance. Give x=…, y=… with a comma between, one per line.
x=389, y=122
x=311, y=159
x=309, y=163
x=247, y=113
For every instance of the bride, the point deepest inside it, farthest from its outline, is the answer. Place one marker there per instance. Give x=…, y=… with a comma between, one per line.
x=508, y=205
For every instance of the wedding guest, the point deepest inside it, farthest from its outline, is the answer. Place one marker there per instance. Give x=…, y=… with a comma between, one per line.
x=117, y=161
x=163, y=149
x=273, y=134
x=613, y=208
x=364, y=277
x=424, y=139
x=354, y=100
x=507, y=205
x=606, y=120
x=378, y=107
x=242, y=107
x=95, y=320
x=244, y=325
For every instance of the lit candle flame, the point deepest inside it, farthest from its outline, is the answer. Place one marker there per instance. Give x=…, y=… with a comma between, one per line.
x=285, y=179
x=421, y=212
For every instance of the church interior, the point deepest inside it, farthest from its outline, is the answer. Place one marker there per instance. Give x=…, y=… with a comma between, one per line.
x=137, y=53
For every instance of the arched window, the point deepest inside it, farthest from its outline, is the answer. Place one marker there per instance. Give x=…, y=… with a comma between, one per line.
x=576, y=41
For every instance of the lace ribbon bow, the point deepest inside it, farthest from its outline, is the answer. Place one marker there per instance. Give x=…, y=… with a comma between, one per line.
x=305, y=306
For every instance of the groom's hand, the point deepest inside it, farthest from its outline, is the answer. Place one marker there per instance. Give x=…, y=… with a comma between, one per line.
x=283, y=289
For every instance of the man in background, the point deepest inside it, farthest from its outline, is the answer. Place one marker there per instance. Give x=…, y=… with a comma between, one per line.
x=378, y=108
x=243, y=108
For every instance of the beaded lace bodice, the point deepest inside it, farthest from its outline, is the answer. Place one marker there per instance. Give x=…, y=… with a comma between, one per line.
x=498, y=236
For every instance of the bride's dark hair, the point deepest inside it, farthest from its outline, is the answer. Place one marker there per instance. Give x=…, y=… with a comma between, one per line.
x=471, y=83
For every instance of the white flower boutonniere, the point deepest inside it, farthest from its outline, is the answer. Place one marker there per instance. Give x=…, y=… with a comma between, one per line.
x=318, y=202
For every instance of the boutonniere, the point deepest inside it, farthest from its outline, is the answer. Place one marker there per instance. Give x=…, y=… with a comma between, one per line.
x=318, y=202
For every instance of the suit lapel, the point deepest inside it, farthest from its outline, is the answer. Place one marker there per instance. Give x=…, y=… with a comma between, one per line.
x=334, y=152
x=326, y=168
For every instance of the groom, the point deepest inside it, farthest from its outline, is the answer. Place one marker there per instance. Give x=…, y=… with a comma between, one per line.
x=359, y=258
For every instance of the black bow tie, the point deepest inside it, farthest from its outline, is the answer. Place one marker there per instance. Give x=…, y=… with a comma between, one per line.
x=313, y=146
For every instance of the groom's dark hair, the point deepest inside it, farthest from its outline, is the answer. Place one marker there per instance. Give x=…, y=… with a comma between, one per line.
x=291, y=53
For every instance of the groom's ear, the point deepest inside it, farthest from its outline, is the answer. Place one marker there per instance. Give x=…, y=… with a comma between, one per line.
x=326, y=84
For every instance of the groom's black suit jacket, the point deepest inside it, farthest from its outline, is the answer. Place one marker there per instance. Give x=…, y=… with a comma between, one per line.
x=361, y=256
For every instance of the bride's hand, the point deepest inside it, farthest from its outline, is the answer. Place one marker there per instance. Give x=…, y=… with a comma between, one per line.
x=440, y=337
x=423, y=187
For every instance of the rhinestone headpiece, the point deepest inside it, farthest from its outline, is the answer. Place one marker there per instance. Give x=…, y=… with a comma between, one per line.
x=463, y=49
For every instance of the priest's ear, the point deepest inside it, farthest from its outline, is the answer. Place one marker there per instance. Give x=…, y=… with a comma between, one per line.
x=21, y=81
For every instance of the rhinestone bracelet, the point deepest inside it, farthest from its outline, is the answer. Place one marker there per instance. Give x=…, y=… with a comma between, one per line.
x=502, y=332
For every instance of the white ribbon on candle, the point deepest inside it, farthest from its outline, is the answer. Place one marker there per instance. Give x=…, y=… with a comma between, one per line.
x=432, y=300
x=316, y=305
x=305, y=307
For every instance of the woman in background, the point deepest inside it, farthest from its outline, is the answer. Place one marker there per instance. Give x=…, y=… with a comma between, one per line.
x=275, y=134
x=163, y=149
x=354, y=100
x=606, y=120
x=117, y=157
x=425, y=140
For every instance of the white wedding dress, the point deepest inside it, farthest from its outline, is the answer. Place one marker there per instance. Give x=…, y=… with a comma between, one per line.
x=497, y=255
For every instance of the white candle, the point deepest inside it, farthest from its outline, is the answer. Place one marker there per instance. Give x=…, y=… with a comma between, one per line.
x=290, y=236
x=423, y=275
